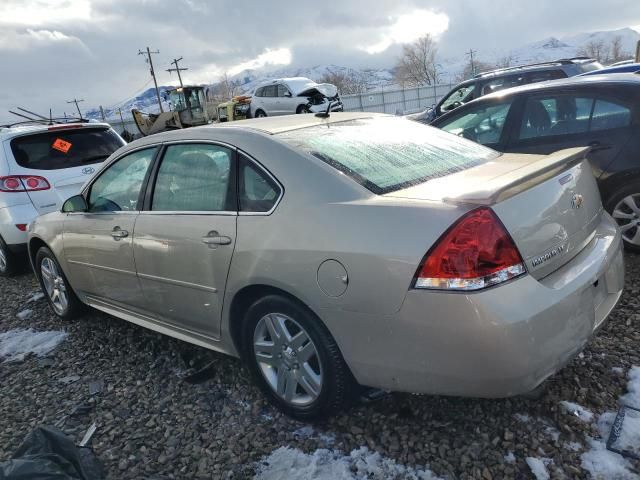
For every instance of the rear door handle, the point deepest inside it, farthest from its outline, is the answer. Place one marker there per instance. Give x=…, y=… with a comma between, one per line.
x=213, y=238
x=117, y=233
x=596, y=145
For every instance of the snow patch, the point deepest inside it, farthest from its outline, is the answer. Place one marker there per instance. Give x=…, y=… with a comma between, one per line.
x=577, y=410
x=603, y=464
x=632, y=398
x=539, y=467
x=360, y=464
x=573, y=446
x=308, y=432
x=510, y=457
x=16, y=344
x=522, y=417
x=618, y=370
x=24, y=314
x=36, y=297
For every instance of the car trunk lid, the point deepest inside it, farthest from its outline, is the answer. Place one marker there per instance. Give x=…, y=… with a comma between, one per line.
x=550, y=205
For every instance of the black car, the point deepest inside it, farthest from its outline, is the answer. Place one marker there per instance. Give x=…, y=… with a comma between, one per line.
x=492, y=81
x=600, y=111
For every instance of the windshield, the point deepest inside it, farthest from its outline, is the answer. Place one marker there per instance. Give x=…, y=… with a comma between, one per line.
x=59, y=149
x=386, y=154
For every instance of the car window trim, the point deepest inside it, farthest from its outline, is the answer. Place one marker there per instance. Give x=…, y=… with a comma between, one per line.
x=262, y=168
x=231, y=189
x=86, y=191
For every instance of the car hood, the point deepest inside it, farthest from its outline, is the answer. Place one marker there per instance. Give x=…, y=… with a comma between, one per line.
x=307, y=88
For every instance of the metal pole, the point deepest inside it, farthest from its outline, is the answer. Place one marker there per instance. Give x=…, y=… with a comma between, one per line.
x=76, y=101
x=177, y=70
x=102, y=114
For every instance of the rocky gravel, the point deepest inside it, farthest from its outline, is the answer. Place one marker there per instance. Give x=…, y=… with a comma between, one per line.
x=151, y=423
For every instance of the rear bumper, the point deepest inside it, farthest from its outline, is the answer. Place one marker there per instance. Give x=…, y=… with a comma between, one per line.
x=499, y=342
x=12, y=216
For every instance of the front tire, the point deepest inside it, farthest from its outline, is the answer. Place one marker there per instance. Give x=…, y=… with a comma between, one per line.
x=294, y=360
x=62, y=300
x=260, y=114
x=302, y=109
x=8, y=260
x=624, y=207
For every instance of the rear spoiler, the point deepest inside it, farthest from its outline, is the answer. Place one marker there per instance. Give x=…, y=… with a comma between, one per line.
x=524, y=178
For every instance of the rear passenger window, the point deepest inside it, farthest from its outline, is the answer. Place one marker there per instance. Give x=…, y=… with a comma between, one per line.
x=193, y=178
x=270, y=91
x=557, y=115
x=608, y=115
x=258, y=192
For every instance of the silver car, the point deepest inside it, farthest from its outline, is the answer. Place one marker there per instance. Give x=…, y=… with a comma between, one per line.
x=329, y=253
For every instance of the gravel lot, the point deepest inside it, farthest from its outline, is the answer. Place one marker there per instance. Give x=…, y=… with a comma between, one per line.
x=153, y=424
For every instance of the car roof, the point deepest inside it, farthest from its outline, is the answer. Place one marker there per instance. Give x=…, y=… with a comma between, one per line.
x=16, y=130
x=550, y=65
x=603, y=79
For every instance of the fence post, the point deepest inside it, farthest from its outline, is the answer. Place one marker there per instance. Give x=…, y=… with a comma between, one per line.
x=360, y=99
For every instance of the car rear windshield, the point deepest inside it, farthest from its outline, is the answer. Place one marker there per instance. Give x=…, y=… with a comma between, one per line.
x=57, y=149
x=386, y=154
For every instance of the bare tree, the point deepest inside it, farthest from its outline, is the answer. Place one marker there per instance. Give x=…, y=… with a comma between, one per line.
x=417, y=65
x=223, y=90
x=348, y=81
x=505, y=61
x=596, y=49
x=617, y=50
x=470, y=70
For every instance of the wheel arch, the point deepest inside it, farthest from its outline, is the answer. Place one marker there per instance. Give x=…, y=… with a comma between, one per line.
x=35, y=244
x=610, y=184
x=244, y=298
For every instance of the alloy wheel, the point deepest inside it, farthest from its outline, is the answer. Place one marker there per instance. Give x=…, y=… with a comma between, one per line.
x=288, y=359
x=627, y=214
x=54, y=285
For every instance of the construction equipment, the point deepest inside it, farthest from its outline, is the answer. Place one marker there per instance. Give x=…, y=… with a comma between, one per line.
x=638, y=52
x=238, y=108
x=188, y=109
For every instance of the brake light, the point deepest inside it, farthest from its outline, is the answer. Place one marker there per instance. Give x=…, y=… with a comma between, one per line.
x=23, y=183
x=66, y=126
x=21, y=226
x=475, y=253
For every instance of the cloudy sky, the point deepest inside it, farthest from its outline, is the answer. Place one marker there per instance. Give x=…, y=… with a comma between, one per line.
x=55, y=50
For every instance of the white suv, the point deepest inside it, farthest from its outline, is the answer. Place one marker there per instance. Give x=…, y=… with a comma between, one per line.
x=286, y=96
x=41, y=166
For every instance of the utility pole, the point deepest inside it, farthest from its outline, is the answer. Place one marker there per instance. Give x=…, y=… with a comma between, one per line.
x=470, y=54
x=121, y=119
x=177, y=69
x=153, y=74
x=76, y=101
x=104, y=119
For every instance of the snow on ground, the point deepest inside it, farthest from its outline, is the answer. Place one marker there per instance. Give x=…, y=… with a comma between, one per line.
x=632, y=398
x=24, y=314
x=360, y=464
x=602, y=463
x=309, y=432
x=36, y=297
x=618, y=370
x=629, y=437
x=522, y=417
x=573, y=446
x=510, y=457
x=539, y=467
x=577, y=410
x=16, y=344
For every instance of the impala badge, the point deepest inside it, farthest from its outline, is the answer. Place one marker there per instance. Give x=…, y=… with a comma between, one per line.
x=577, y=201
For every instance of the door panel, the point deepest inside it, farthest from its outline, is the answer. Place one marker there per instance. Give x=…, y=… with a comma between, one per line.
x=98, y=244
x=184, y=278
x=183, y=245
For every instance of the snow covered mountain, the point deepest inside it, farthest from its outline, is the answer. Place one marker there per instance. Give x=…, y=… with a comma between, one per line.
x=552, y=48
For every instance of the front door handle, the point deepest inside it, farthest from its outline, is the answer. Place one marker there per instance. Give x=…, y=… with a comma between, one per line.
x=117, y=233
x=596, y=145
x=213, y=238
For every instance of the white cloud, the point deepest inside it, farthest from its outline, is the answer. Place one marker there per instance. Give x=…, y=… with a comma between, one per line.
x=40, y=12
x=409, y=27
x=30, y=38
x=280, y=56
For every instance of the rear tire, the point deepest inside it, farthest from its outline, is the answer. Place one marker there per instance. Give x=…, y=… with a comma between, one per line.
x=8, y=261
x=624, y=206
x=55, y=286
x=260, y=114
x=294, y=360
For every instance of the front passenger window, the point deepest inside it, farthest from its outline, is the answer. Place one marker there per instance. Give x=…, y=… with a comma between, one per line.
x=484, y=124
x=118, y=187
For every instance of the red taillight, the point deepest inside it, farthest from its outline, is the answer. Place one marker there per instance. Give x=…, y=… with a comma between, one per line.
x=23, y=183
x=22, y=227
x=475, y=253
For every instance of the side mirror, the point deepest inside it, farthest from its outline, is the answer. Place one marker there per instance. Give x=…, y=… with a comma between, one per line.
x=75, y=204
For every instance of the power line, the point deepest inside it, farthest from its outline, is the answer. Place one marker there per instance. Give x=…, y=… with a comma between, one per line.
x=148, y=53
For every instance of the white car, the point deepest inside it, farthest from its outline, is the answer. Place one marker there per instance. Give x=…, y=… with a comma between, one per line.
x=286, y=96
x=41, y=166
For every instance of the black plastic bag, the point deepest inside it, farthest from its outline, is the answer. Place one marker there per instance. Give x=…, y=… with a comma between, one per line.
x=47, y=454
